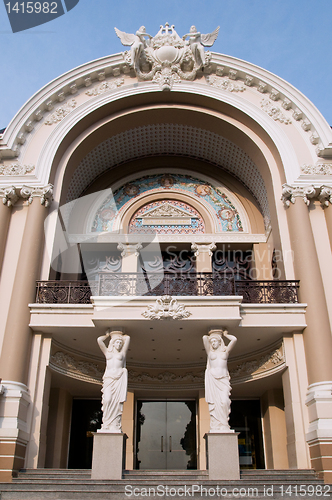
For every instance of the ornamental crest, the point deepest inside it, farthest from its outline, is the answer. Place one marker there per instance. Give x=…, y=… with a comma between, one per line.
x=166, y=307
x=166, y=58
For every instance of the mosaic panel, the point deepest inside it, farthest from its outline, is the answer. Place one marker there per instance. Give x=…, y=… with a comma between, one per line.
x=226, y=213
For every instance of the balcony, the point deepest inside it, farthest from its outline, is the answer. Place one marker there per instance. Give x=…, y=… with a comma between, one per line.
x=175, y=284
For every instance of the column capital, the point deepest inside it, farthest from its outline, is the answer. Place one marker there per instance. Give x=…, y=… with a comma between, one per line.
x=203, y=248
x=325, y=195
x=290, y=193
x=44, y=193
x=9, y=196
x=129, y=249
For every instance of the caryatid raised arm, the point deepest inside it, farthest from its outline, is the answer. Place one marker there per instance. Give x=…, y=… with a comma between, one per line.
x=115, y=379
x=217, y=379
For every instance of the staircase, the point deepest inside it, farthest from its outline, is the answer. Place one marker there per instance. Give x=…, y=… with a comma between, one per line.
x=67, y=484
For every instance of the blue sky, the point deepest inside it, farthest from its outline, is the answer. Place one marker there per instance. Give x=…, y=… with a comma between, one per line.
x=291, y=38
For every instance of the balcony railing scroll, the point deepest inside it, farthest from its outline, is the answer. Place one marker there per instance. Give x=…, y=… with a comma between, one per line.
x=175, y=284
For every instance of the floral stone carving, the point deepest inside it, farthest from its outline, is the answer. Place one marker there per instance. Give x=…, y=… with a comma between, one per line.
x=166, y=307
x=61, y=112
x=16, y=169
x=166, y=58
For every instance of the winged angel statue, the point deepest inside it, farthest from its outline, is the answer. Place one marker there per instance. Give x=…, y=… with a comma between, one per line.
x=197, y=41
x=166, y=58
x=138, y=44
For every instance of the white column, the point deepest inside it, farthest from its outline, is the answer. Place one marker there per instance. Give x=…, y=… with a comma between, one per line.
x=295, y=382
x=203, y=254
x=39, y=383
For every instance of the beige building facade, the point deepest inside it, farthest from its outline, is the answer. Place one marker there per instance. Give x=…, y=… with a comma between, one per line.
x=165, y=199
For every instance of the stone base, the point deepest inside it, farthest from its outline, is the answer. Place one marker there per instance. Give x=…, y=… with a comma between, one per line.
x=222, y=452
x=108, y=455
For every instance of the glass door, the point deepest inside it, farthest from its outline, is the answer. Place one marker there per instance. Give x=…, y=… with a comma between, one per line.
x=166, y=435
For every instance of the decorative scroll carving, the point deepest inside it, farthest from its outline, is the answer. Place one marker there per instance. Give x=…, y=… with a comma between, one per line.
x=44, y=193
x=166, y=58
x=61, y=112
x=274, y=111
x=199, y=248
x=166, y=308
x=225, y=84
x=128, y=249
x=105, y=87
x=263, y=363
x=320, y=169
x=16, y=169
x=9, y=196
x=325, y=195
x=290, y=193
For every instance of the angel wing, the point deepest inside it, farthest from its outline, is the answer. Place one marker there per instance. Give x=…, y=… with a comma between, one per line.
x=209, y=39
x=126, y=38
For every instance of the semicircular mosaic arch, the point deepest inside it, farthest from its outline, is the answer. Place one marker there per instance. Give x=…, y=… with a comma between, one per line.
x=182, y=217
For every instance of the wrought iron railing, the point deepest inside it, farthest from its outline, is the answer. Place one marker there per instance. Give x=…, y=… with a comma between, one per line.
x=155, y=284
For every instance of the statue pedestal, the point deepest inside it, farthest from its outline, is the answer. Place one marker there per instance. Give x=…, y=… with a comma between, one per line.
x=109, y=452
x=222, y=456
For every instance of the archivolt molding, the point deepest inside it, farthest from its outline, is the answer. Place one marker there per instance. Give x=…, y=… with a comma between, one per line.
x=232, y=72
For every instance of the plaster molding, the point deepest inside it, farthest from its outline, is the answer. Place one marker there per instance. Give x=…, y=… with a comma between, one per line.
x=203, y=248
x=16, y=169
x=166, y=307
x=9, y=196
x=225, y=84
x=44, y=193
x=263, y=363
x=129, y=249
x=61, y=112
x=319, y=169
x=74, y=367
x=274, y=111
x=105, y=87
x=290, y=193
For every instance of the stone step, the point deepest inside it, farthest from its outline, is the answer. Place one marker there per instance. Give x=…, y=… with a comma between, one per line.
x=69, y=484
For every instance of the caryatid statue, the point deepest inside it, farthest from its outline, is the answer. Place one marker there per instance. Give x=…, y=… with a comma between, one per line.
x=115, y=379
x=217, y=379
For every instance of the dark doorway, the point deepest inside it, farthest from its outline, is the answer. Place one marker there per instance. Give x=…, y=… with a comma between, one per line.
x=246, y=419
x=86, y=418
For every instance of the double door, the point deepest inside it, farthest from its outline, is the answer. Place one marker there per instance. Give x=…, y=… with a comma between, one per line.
x=166, y=435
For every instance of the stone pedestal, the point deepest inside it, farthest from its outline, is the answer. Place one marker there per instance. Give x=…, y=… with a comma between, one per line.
x=222, y=456
x=109, y=451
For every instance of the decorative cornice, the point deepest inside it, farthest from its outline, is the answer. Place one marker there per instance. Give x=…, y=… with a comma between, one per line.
x=290, y=193
x=105, y=87
x=325, y=195
x=76, y=368
x=60, y=113
x=129, y=249
x=274, y=111
x=16, y=169
x=44, y=193
x=263, y=363
x=203, y=248
x=319, y=169
x=225, y=83
x=9, y=196
x=166, y=307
